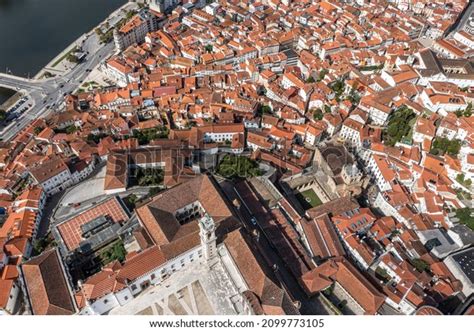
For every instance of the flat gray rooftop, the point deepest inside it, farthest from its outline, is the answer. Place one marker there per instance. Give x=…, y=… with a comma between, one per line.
x=465, y=260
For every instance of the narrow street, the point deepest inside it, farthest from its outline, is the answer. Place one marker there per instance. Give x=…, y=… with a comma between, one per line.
x=309, y=306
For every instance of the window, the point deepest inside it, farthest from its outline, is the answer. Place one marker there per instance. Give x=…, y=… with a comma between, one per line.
x=134, y=287
x=153, y=276
x=106, y=301
x=126, y=297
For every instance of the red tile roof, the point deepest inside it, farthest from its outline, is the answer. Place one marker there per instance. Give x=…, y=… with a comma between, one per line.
x=343, y=272
x=158, y=216
x=47, y=287
x=70, y=230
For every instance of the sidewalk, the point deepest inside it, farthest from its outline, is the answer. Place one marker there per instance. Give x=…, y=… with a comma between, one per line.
x=59, y=65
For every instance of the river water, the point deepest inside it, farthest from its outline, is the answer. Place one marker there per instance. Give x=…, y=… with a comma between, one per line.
x=33, y=32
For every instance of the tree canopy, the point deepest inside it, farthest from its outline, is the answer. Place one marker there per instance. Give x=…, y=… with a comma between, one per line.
x=149, y=176
x=147, y=135
x=466, y=217
x=114, y=252
x=399, y=125
x=233, y=166
x=318, y=114
x=420, y=265
x=443, y=145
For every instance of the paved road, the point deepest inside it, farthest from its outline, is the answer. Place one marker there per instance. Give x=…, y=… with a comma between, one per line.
x=48, y=94
x=464, y=19
x=309, y=306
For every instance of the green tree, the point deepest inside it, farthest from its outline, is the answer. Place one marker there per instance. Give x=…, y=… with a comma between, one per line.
x=317, y=114
x=95, y=137
x=147, y=135
x=72, y=58
x=130, y=14
x=150, y=176
x=233, y=166
x=420, y=265
x=41, y=244
x=399, y=125
x=264, y=109
x=468, y=110
x=322, y=74
x=354, y=96
x=38, y=130
x=382, y=274
x=71, y=129
x=338, y=87
x=153, y=191
x=465, y=216
x=131, y=201
x=341, y=305
x=443, y=145
x=329, y=290
x=115, y=252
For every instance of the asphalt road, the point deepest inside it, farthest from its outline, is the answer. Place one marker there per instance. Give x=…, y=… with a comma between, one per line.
x=48, y=94
x=464, y=19
x=309, y=306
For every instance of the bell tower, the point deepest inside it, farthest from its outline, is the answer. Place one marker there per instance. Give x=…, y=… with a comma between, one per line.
x=208, y=239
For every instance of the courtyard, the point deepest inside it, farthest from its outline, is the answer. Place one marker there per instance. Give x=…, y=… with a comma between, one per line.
x=308, y=199
x=194, y=290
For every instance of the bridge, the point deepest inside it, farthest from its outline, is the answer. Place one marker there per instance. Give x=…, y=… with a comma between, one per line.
x=17, y=83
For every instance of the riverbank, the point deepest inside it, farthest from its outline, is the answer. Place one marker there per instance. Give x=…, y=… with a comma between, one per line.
x=29, y=43
x=52, y=66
